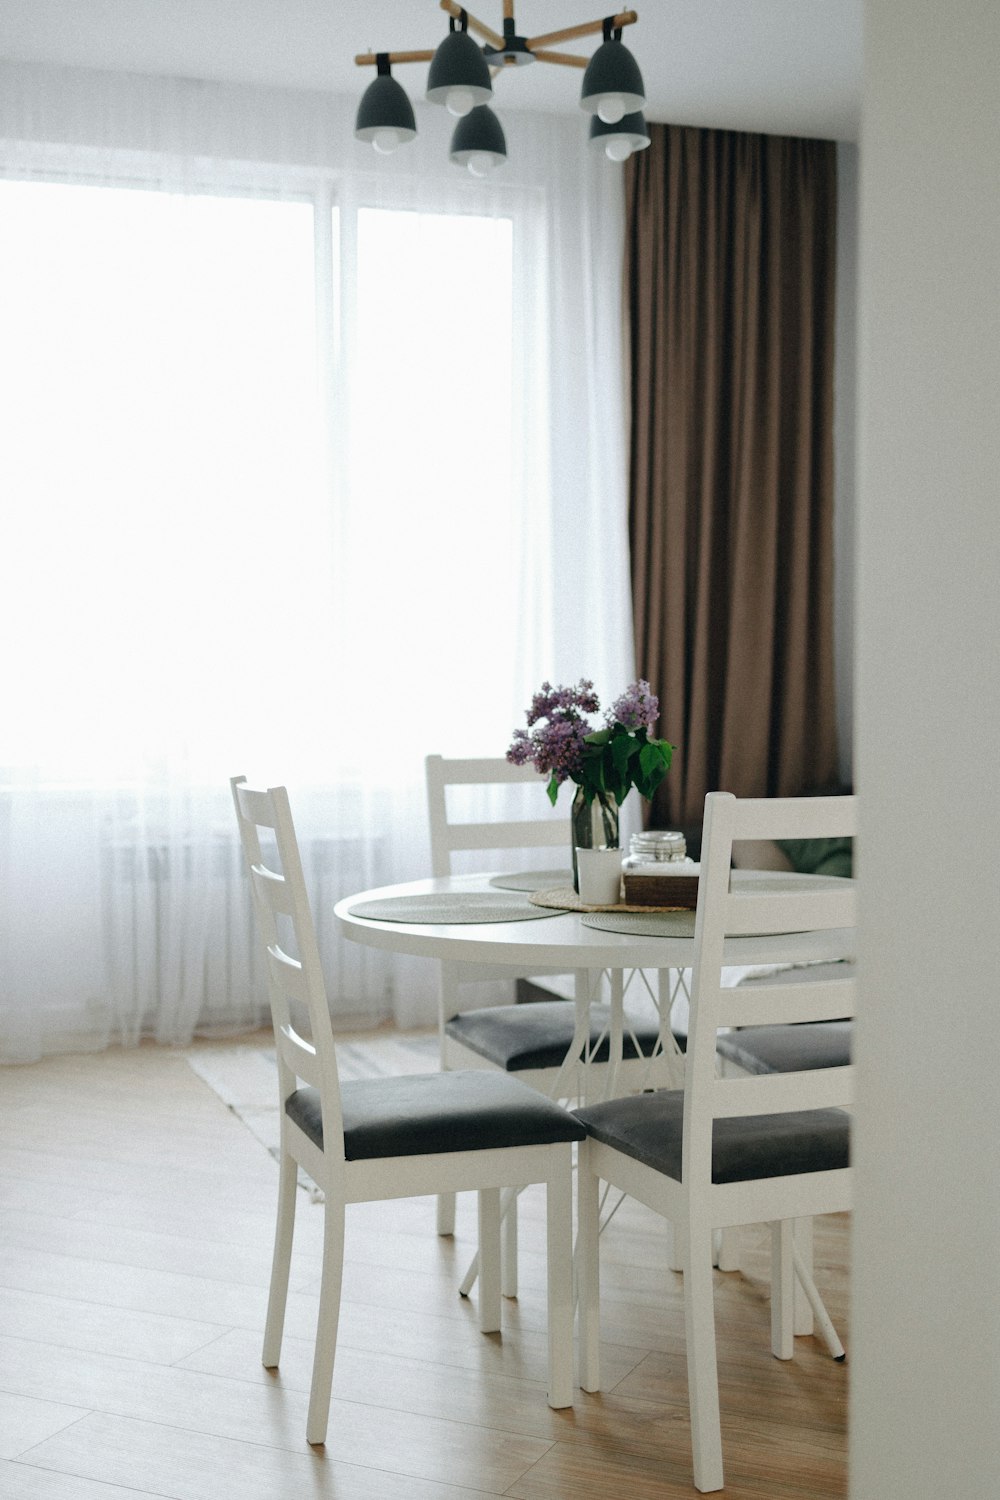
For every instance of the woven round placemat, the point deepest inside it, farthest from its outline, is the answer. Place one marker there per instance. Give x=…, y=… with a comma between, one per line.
x=564, y=898
x=447, y=909
x=530, y=880
x=648, y=924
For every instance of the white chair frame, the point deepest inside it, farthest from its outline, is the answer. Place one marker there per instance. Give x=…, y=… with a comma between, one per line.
x=696, y=1205
x=569, y=1080
x=448, y=837
x=298, y=981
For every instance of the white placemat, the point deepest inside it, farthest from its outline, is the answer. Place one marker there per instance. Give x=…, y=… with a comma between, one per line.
x=449, y=908
x=644, y=924
x=530, y=880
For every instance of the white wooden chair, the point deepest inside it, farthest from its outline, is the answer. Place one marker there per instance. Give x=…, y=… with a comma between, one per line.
x=379, y=1138
x=786, y=1049
x=771, y=1148
x=532, y=1040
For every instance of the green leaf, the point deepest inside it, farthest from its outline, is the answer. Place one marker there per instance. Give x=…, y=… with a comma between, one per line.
x=623, y=747
x=651, y=760
x=553, y=790
x=653, y=763
x=599, y=737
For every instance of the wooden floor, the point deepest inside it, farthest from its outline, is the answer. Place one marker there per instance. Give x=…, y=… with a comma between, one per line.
x=136, y=1226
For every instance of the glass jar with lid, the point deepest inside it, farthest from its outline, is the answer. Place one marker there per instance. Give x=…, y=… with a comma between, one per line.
x=657, y=846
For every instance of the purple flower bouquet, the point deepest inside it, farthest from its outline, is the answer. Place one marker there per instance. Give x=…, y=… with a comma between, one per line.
x=561, y=743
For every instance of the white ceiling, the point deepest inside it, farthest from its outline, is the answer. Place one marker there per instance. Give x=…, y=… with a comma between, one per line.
x=784, y=66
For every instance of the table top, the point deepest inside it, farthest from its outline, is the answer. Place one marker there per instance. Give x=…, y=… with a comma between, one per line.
x=560, y=941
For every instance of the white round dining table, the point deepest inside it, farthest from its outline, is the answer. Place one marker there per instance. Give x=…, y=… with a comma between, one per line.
x=561, y=941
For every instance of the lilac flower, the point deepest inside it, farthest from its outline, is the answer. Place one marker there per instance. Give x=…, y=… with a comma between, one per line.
x=555, y=747
x=606, y=763
x=637, y=708
x=563, y=700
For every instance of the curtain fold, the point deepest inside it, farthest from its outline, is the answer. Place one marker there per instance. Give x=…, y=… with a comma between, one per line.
x=217, y=476
x=730, y=263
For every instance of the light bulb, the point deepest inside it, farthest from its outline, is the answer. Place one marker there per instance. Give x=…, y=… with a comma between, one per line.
x=481, y=163
x=617, y=148
x=611, y=109
x=385, y=140
x=459, y=102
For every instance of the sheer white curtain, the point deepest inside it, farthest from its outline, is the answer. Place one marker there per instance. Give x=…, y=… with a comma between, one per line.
x=314, y=465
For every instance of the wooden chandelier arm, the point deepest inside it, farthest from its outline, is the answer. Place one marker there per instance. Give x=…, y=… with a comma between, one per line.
x=570, y=33
x=369, y=59
x=566, y=59
x=479, y=27
x=536, y=45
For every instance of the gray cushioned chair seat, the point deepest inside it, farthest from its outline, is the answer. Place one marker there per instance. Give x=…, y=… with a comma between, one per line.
x=538, y=1035
x=788, y=1049
x=649, y=1127
x=429, y=1113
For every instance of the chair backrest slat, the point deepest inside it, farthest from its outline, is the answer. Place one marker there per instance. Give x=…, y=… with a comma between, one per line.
x=506, y=835
x=792, y=817
x=760, y=1004
x=764, y=908
x=273, y=890
x=299, y=1056
x=256, y=807
x=831, y=902
x=778, y=1093
x=279, y=892
x=448, y=836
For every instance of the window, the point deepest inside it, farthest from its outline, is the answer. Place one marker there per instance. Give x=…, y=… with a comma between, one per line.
x=268, y=423
x=157, y=372
x=177, y=449
x=433, y=533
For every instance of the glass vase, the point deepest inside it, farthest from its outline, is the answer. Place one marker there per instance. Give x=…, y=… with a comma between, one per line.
x=593, y=825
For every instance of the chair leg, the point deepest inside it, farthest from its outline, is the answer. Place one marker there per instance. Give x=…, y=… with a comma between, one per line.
x=489, y=1260
x=728, y=1250
x=284, y=1230
x=826, y=1329
x=508, y=1251
x=446, y=1213
x=675, y=1250
x=559, y=1246
x=588, y=1270
x=804, y=1322
x=703, y=1374
x=329, y=1317
x=447, y=1005
x=507, y=1232
x=469, y=1279
x=782, y=1289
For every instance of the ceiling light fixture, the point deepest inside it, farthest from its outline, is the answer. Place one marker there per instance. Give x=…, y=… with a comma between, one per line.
x=620, y=139
x=461, y=78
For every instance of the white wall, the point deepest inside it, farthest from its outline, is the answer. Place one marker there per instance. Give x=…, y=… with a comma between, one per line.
x=925, y=1404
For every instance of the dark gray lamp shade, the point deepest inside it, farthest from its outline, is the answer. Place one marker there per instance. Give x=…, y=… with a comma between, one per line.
x=620, y=140
x=479, y=142
x=612, y=72
x=384, y=108
x=459, y=64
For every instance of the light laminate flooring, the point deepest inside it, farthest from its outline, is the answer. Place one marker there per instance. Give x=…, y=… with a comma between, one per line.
x=135, y=1240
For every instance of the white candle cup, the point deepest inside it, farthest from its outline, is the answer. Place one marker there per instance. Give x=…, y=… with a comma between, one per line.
x=600, y=876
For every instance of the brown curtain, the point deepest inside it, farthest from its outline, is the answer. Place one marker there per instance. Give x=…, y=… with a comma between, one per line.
x=730, y=289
